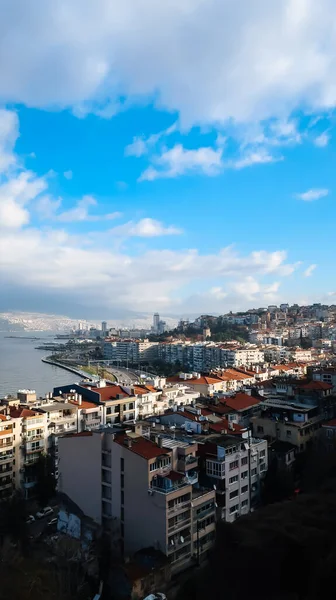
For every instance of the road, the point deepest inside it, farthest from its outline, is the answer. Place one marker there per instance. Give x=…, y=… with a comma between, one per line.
x=123, y=376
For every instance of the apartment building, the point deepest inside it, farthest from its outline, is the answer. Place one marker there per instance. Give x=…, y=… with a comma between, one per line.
x=144, y=492
x=209, y=355
x=131, y=351
x=288, y=422
x=235, y=466
x=118, y=403
x=6, y=457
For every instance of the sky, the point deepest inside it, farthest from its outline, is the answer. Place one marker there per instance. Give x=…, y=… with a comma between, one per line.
x=173, y=156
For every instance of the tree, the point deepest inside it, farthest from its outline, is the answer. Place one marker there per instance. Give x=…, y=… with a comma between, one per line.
x=45, y=487
x=278, y=484
x=13, y=526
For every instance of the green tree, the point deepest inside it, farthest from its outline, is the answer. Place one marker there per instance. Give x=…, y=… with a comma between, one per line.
x=45, y=487
x=278, y=484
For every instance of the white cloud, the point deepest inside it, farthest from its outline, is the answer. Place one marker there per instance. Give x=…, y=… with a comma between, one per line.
x=16, y=192
x=144, y=228
x=210, y=61
x=309, y=271
x=313, y=194
x=253, y=158
x=322, y=140
x=9, y=132
x=46, y=206
x=142, y=145
x=178, y=161
x=81, y=212
x=68, y=174
x=51, y=260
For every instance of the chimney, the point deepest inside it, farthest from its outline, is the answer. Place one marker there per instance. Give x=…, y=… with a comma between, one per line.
x=80, y=399
x=160, y=441
x=8, y=411
x=128, y=442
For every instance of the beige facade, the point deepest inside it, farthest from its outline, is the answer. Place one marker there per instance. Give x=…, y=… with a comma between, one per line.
x=145, y=493
x=6, y=456
x=298, y=434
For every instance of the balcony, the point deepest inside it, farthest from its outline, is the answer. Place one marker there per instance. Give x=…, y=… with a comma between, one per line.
x=33, y=438
x=167, y=484
x=179, y=506
x=6, y=483
x=6, y=457
x=6, y=445
x=179, y=542
x=39, y=448
x=192, y=478
x=179, y=525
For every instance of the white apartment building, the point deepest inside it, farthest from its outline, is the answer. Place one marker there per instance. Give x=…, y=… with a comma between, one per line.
x=6, y=456
x=144, y=492
x=236, y=469
x=131, y=351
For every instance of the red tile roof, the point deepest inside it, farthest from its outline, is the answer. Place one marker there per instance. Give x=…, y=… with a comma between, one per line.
x=84, y=404
x=3, y=418
x=224, y=426
x=241, y=401
x=17, y=412
x=316, y=385
x=331, y=423
x=110, y=392
x=141, y=446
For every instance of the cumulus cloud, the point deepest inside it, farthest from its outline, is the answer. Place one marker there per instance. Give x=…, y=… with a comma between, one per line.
x=52, y=260
x=309, y=271
x=81, y=212
x=144, y=228
x=210, y=61
x=313, y=194
x=68, y=174
x=322, y=140
x=142, y=145
x=179, y=160
x=9, y=132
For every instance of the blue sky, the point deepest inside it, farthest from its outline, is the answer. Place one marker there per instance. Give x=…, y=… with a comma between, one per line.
x=182, y=169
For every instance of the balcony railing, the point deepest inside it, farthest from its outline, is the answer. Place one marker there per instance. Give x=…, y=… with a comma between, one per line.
x=6, y=445
x=168, y=490
x=179, y=506
x=178, y=543
x=5, y=456
x=179, y=525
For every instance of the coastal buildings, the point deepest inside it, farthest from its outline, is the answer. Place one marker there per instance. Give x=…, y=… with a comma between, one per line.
x=130, y=351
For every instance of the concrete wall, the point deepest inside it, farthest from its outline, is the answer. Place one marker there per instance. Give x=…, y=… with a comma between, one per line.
x=80, y=472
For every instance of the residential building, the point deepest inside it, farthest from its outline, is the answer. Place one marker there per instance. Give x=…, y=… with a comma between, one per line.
x=288, y=422
x=131, y=351
x=235, y=467
x=171, y=512
x=7, y=463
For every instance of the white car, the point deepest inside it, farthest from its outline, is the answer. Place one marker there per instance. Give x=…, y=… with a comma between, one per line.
x=44, y=512
x=157, y=596
x=30, y=519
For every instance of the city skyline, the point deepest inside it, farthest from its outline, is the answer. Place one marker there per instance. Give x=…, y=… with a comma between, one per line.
x=174, y=173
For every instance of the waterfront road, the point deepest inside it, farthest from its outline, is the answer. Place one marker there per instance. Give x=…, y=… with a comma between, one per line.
x=123, y=376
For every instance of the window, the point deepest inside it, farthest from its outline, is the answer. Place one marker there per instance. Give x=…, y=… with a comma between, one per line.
x=244, y=489
x=122, y=480
x=234, y=494
x=244, y=475
x=122, y=513
x=244, y=503
x=262, y=453
x=234, y=509
x=234, y=465
x=253, y=472
x=215, y=469
x=288, y=433
x=244, y=460
x=233, y=479
x=262, y=466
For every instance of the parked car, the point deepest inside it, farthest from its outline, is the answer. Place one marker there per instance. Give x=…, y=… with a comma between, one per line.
x=157, y=596
x=44, y=512
x=30, y=519
x=52, y=525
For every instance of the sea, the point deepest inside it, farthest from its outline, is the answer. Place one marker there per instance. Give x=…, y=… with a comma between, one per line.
x=21, y=366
